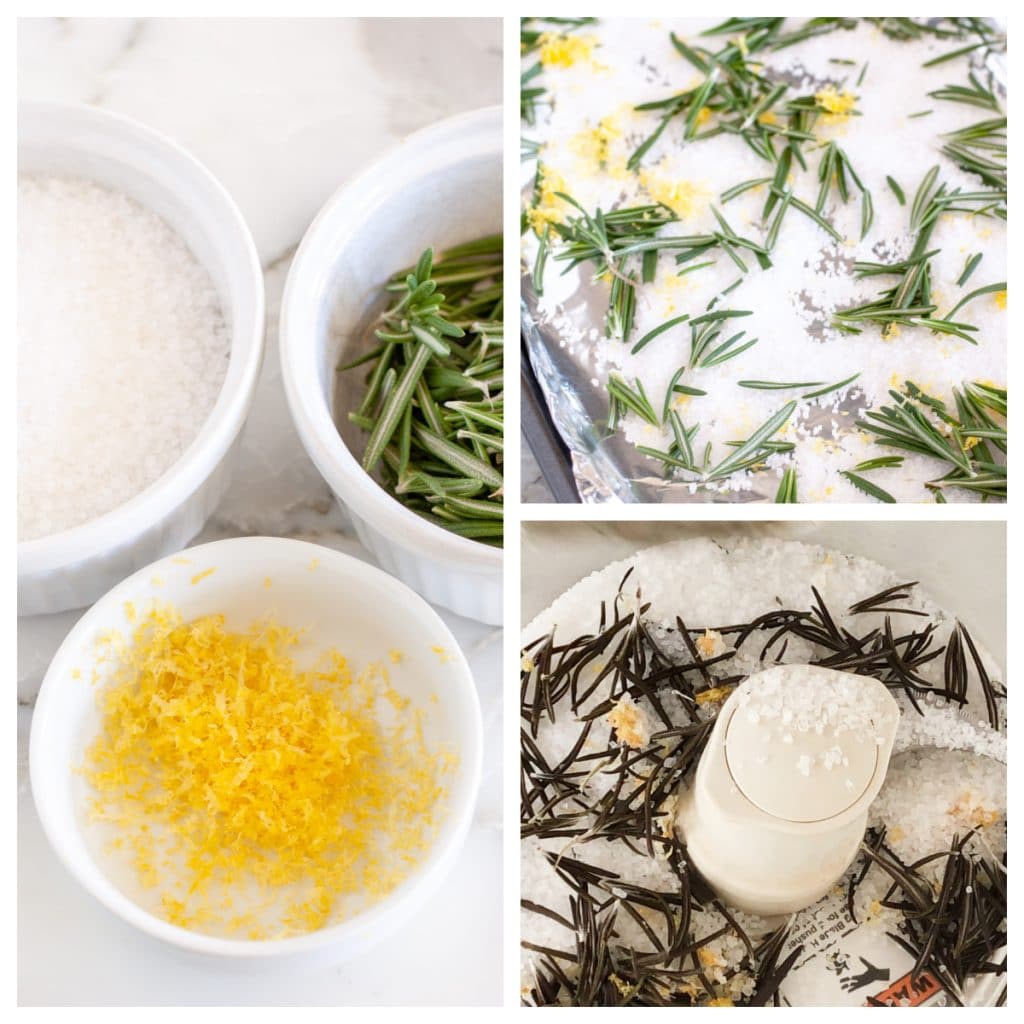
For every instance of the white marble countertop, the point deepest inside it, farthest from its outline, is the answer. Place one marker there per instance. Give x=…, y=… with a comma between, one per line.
x=282, y=111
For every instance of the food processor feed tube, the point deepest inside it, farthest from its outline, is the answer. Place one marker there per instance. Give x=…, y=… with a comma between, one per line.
x=779, y=804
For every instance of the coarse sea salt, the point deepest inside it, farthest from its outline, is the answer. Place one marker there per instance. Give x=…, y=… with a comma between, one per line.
x=122, y=350
x=834, y=705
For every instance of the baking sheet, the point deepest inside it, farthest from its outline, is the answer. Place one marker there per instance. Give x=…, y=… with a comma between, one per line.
x=607, y=467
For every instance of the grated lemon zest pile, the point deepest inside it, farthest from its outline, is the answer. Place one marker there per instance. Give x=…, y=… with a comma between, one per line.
x=226, y=771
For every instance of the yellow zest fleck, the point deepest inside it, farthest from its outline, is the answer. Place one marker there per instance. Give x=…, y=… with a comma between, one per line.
x=1000, y=298
x=314, y=564
x=890, y=332
x=682, y=197
x=225, y=771
x=837, y=105
x=720, y=1001
x=548, y=207
x=395, y=656
x=202, y=575
x=267, y=582
x=716, y=693
x=629, y=723
x=129, y=611
x=710, y=644
x=626, y=990
x=395, y=699
x=527, y=664
x=181, y=561
x=768, y=117
x=708, y=957
x=76, y=673
x=972, y=812
x=593, y=144
x=443, y=656
x=703, y=115
x=558, y=51
x=156, y=581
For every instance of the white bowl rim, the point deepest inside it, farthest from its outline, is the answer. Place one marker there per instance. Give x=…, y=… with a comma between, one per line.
x=471, y=131
x=94, y=538
x=428, y=872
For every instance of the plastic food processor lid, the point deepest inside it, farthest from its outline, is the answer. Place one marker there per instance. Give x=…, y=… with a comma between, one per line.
x=812, y=777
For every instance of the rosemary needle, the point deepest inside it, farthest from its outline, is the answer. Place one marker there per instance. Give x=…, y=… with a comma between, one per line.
x=786, y=494
x=868, y=487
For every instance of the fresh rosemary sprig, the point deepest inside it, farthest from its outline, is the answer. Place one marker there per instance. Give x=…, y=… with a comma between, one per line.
x=918, y=423
x=612, y=240
x=623, y=397
x=836, y=170
x=975, y=95
x=433, y=404
x=980, y=149
x=749, y=453
x=734, y=92
x=909, y=302
x=811, y=29
x=905, y=29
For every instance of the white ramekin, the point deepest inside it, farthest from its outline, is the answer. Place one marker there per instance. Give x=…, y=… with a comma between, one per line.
x=72, y=568
x=439, y=187
x=340, y=602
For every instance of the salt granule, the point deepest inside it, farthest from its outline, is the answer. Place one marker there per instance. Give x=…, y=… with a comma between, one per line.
x=122, y=351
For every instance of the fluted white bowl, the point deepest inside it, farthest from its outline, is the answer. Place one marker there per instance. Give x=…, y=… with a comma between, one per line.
x=337, y=602
x=439, y=187
x=72, y=568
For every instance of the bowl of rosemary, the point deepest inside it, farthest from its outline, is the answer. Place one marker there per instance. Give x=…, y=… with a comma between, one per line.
x=391, y=355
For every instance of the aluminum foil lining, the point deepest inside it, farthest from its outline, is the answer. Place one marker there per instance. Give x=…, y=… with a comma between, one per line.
x=607, y=467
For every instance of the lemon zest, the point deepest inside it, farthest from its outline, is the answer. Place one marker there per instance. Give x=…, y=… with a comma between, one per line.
x=223, y=769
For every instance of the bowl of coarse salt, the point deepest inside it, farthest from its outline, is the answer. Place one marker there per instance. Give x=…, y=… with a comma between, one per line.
x=260, y=751
x=140, y=339
x=438, y=188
